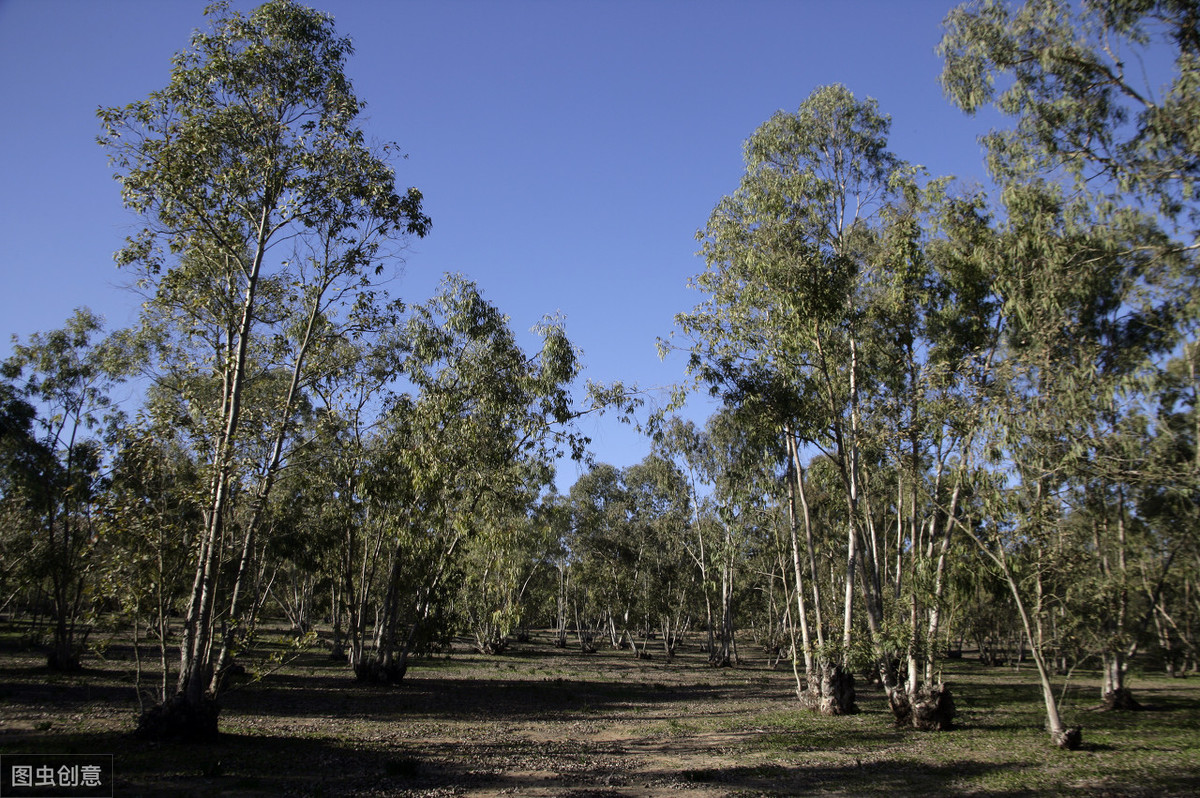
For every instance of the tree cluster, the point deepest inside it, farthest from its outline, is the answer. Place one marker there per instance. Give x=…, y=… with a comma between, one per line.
x=949, y=415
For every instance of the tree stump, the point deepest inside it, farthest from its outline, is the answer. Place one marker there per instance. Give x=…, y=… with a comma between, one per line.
x=809, y=695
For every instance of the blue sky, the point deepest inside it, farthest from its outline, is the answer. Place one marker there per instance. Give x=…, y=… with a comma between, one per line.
x=567, y=151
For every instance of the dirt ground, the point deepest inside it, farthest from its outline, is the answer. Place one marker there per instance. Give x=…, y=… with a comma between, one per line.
x=540, y=721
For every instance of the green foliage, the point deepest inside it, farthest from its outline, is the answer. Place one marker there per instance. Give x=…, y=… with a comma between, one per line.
x=435, y=506
x=1107, y=90
x=268, y=221
x=626, y=548
x=52, y=466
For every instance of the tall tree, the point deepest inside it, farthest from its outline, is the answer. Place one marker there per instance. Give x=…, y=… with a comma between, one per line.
x=267, y=216
x=459, y=454
x=793, y=271
x=1098, y=176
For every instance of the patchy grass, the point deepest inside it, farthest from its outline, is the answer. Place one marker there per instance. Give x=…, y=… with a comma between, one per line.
x=543, y=721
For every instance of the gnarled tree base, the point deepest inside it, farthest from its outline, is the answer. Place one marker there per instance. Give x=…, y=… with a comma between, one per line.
x=179, y=720
x=492, y=647
x=1069, y=739
x=837, y=695
x=374, y=672
x=930, y=709
x=1119, y=700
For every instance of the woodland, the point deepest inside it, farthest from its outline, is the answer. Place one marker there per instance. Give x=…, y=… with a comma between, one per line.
x=956, y=423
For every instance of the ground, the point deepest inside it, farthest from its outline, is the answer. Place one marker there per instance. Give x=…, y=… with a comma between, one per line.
x=540, y=721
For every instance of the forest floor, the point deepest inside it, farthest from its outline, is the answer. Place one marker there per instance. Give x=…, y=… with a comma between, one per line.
x=541, y=721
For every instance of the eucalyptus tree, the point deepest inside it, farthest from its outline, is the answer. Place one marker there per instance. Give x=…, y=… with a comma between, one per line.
x=476, y=423
x=1131, y=518
x=68, y=375
x=555, y=514
x=1074, y=277
x=682, y=443
x=266, y=220
x=797, y=268
x=660, y=516
x=628, y=565
x=1105, y=89
x=738, y=459
x=936, y=313
x=333, y=479
x=1173, y=514
x=1097, y=290
x=509, y=549
x=606, y=556
x=152, y=509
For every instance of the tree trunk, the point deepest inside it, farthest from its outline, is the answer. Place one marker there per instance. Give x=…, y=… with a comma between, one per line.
x=794, y=477
x=1114, y=694
x=560, y=633
x=723, y=655
x=836, y=693
x=195, y=713
x=1062, y=736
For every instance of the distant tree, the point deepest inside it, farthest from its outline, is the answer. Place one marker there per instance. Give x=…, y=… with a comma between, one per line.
x=629, y=566
x=605, y=555
x=738, y=461
x=460, y=454
x=267, y=218
x=684, y=444
x=660, y=517
x=511, y=547
x=56, y=471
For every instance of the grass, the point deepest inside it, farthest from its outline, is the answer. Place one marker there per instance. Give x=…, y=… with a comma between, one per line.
x=546, y=721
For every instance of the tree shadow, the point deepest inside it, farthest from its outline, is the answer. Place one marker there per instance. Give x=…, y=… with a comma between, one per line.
x=247, y=764
x=444, y=698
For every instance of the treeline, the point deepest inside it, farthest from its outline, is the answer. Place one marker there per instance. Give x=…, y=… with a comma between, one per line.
x=949, y=416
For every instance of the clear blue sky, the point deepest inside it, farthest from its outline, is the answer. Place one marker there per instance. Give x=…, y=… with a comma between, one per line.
x=567, y=151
